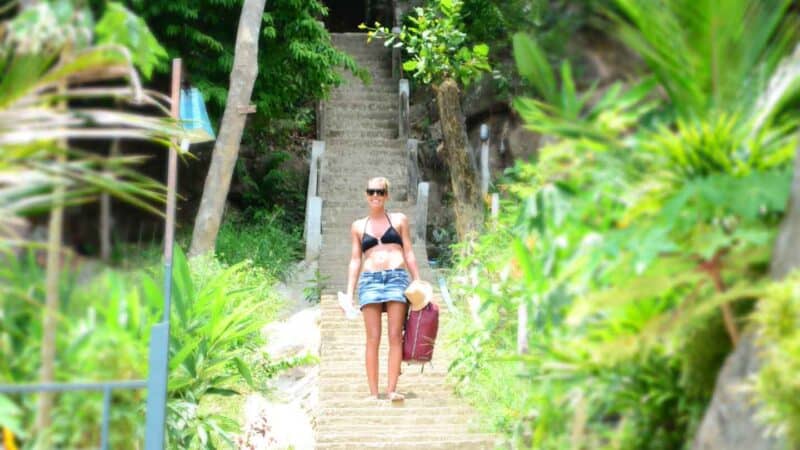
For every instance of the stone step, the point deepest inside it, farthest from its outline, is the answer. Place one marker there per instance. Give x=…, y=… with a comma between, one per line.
x=431, y=392
x=362, y=50
x=356, y=182
x=463, y=444
x=336, y=143
x=391, y=158
x=368, y=158
x=372, y=84
x=337, y=97
x=357, y=87
x=386, y=133
x=400, y=432
x=354, y=116
x=410, y=403
x=340, y=121
x=388, y=104
x=439, y=369
x=417, y=440
x=372, y=419
x=345, y=123
x=400, y=413
x=409, y=380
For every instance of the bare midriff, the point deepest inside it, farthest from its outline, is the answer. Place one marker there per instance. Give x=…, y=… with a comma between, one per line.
x=383, y=257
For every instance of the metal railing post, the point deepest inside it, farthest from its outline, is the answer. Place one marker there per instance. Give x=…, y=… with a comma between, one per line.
x=421, y=220
x=484, y=133
x=157, y=387
x=404, y=124
x=314, y=178
x=412, y=146
x=106, y=418
x=397, y=62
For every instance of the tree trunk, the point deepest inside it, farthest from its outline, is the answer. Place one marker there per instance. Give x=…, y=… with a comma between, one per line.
x=463, y=175
x=729, y=422
x=226, y=148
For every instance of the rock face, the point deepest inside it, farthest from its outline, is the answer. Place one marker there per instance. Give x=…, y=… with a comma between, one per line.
x=728, y=423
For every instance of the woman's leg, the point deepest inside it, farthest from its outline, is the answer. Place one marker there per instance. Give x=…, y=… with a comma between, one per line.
x=397, y=318
x=372, y=323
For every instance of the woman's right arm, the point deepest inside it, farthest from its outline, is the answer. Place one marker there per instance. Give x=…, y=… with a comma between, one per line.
x=355, y=260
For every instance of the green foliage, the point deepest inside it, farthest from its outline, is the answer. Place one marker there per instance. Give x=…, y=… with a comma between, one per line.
x=267, y=184
x=312, y=293
x=638, y=221
x=218, y=313
x=696, y=49
x=297, y=62
x=47, y=56
x=266, y=238
x=436, y=44
x=118, y=25
x=778, y=320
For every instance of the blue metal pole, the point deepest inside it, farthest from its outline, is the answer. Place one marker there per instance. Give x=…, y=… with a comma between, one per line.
x=157, y=388
x=106, y=418
x=158, y=376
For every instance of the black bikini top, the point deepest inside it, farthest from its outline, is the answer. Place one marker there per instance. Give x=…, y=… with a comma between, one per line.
x=390, y=236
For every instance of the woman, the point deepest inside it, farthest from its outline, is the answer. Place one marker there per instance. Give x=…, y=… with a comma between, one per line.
x=382, y=252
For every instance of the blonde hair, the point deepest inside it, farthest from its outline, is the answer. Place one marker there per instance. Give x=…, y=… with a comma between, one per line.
x=382, y=180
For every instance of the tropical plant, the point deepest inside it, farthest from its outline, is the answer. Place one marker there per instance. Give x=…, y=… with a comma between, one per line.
x=215, y=339
x=47, y=58
x=267, y=238
x=436, y=44
x=638, y=220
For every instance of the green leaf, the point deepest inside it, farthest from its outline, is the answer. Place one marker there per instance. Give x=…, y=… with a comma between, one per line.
x=481, y=50
x=410, y=65
x=118, y=25
x=532, y=65
x=244, y=371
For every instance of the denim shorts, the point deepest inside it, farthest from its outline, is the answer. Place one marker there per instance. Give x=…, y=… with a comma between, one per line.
x=382, y=286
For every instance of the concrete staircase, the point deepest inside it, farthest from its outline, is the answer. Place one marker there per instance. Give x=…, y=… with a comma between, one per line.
x=360, y=136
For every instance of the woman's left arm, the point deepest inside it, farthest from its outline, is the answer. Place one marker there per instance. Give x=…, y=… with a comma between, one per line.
x=408, y=249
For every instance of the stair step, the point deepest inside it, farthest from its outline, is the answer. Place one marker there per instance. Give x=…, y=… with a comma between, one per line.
x=400, y=433
x=387, y=133
x=372, y=419
x=451, y=441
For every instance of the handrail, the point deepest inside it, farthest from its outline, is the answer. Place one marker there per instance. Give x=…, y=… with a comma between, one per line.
x=484, y=134
x=312, y=229
x=412, y=146
x=421, y=212
x=397, y=63
x=403, y=116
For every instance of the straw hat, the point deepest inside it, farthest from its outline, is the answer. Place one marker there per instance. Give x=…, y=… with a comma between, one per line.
x=419, y=293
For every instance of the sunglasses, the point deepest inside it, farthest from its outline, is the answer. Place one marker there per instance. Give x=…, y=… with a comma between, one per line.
x=378, y=192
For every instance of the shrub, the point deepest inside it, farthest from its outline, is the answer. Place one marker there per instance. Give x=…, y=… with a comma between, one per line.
x=266, y=238
x=777, y=321
x=218, y=312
